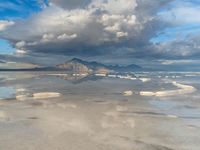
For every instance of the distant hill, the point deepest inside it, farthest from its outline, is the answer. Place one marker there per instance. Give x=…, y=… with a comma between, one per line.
x=128, y=68
x=30, y=69
x=79, y=66
x=84, y=67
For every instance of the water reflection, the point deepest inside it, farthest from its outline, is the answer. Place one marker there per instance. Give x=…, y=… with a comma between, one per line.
x=7, y=92
x=91, y=112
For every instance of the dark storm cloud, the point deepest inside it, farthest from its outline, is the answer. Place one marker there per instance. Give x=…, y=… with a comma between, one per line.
x=180, y=49
x=71, y=4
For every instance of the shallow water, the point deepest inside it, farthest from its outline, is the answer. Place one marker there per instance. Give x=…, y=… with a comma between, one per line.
x=93, y=113
x=6, y=92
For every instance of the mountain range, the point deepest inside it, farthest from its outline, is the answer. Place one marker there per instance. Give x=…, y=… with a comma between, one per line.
x=76, y=65
x=84, y=67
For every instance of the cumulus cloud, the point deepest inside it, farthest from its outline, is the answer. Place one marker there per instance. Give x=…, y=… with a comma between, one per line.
x=90, y=27
x=180, y=49
x=181, y=39
x=4, y=24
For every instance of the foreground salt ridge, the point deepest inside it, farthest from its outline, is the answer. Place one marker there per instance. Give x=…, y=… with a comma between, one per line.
x=46, y=95
x=119, y=123
x=184, y=89
x=145, y=79
x=128, y=93
x=42, y=95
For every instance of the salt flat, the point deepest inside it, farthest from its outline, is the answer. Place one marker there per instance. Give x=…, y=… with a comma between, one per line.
x=94, y=114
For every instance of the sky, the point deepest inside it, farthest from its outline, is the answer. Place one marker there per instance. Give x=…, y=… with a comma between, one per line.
x=151, y=33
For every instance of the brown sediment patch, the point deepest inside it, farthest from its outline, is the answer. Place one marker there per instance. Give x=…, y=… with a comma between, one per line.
x=33, y=118
x=36, y=104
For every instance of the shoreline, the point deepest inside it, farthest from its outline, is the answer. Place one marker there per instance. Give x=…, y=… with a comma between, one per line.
x=183, y=89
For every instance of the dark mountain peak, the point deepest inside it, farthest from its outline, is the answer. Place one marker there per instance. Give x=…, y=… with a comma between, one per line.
x=92, y=64
x=76, y=60
x=133, y=66
x=75, y=65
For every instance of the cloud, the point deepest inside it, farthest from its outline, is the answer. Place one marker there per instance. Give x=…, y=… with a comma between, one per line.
x=17, y=65
x=178, y=62
x=180, y=40
x=71, y=4
x=188, y=48
x=4, y=24
x=97, y=27
x=60, y=30
x=184, y=12
x=106, y=28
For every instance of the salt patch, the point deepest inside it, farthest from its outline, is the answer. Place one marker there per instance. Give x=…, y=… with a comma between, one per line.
x=184, y=89
x=46, y=95
x=128, y=93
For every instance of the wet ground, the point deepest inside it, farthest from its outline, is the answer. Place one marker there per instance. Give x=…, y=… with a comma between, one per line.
x=92, y=113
